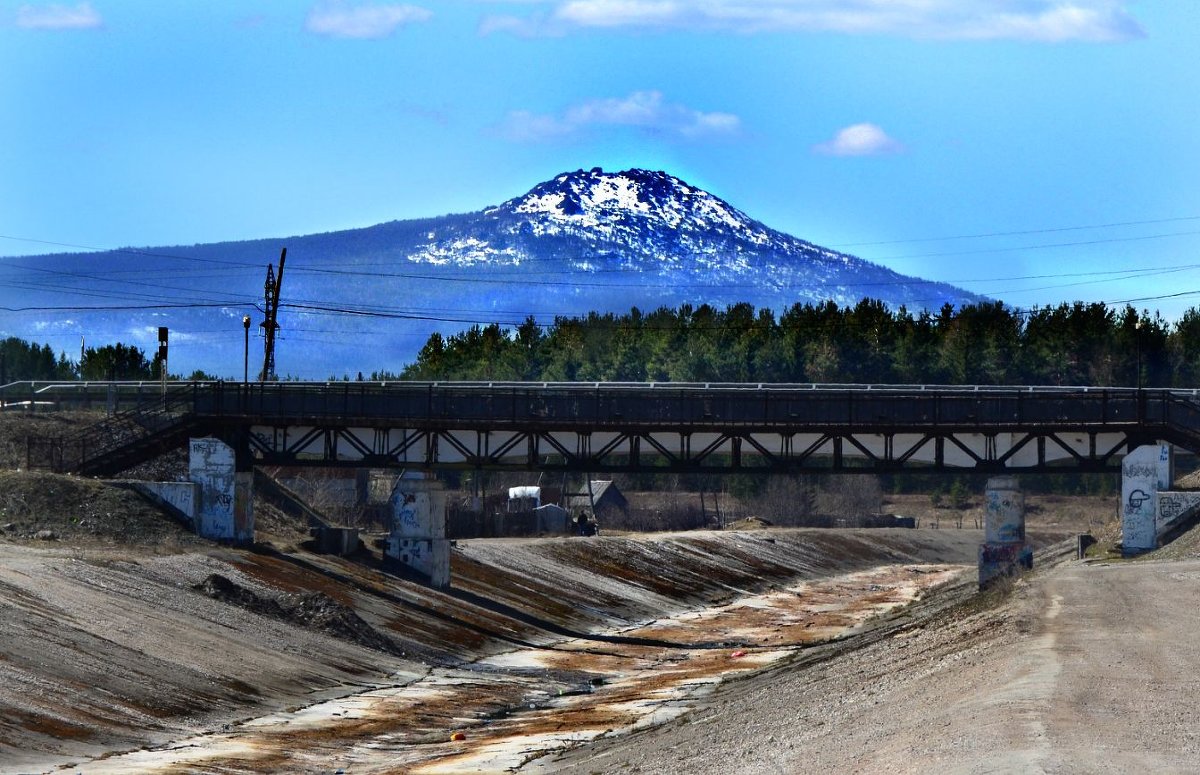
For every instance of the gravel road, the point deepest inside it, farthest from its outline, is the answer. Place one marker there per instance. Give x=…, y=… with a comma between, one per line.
x=1084, y=668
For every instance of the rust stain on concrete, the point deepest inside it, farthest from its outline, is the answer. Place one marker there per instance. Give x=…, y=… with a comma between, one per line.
x=518, y=705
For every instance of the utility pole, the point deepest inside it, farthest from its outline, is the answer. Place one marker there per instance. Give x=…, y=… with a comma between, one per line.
x=271, y=324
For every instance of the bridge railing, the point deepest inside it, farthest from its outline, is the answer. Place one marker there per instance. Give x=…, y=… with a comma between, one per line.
x=903, y=407
x=548, y=405
x=1140, y=415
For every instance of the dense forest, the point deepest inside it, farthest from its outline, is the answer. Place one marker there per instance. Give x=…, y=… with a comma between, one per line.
x=22, y=360
x=989, y=343
x=984, y=344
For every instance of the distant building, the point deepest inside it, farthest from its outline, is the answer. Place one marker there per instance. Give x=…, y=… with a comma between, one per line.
x=607, y=498
x=524, y=498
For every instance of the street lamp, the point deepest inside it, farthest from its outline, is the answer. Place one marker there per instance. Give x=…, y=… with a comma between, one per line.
x=1137, y=332
x=246, y=351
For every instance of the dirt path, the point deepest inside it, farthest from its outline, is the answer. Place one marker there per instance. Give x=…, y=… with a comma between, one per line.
x=1128, y=660
x=1085, y=669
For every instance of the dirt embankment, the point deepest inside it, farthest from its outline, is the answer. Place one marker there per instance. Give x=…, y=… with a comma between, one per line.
x=17, y=425
x=84, y=513
x=108, y=649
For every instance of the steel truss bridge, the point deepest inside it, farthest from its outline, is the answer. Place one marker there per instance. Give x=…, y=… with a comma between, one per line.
x=617, y=427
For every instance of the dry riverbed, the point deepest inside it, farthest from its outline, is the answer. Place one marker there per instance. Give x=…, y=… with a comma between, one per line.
x=522, y=704
x=120, y=660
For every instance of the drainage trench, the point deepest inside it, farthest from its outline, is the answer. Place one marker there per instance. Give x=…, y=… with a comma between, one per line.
x=507, y=710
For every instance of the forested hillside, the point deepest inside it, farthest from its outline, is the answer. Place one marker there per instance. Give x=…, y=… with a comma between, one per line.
x=989, y=343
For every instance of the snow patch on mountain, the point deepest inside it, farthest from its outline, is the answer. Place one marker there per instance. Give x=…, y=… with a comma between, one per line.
x=645, y=226
x=635, y=200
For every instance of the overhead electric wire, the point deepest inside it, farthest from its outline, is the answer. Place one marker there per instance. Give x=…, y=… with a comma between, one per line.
x=1026, y=232
x=135, y=252
x=99, y=278
x=696, y=286
x=1084, y=243
x=327, y=306
x=1177, y=295
x=113, y=308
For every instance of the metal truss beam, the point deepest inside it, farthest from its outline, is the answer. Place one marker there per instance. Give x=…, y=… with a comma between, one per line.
x=687, y=452
x=601, y=427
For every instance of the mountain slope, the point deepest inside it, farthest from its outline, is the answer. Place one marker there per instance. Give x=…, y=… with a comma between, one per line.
x=662, y=231
x=366, y=299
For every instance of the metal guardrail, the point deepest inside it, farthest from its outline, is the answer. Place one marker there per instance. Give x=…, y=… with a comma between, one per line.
x=702, y=406
x=1148, y=414
x=96, y=390
x=635, y=404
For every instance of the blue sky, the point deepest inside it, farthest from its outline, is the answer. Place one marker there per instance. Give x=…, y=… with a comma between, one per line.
x=1032, y=150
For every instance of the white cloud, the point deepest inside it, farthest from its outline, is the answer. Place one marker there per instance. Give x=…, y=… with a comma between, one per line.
x=364, y=22
x=150, y=334
x=42, y=326
x=859, y=140
x=1029, y=20
x=59, y=17
x=645, y=111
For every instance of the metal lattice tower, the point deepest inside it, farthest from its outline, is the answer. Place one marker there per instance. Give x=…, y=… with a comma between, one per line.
x=270, y=325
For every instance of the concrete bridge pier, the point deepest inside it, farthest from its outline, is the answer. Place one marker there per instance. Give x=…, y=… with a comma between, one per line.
x=1146, y=472
x=417, y=539
x=225, y=491
x=1003, y=552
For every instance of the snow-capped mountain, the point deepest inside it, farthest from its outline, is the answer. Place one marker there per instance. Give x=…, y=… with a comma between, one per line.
x=367, y=299
x=673, y=237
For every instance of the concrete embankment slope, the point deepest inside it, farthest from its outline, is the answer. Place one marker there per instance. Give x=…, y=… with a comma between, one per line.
x=1082, y=667
x=107, y=651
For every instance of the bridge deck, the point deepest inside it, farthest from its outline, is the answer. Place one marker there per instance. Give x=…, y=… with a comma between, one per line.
x=678, y=427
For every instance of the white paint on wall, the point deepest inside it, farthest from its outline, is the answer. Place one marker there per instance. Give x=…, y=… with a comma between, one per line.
x=418, y=534
x=418, y=509
x=1174, y=507
x=181, y=496
x=1144, y=472
x=225, y=502
x=1004, y=511
x=425, y=555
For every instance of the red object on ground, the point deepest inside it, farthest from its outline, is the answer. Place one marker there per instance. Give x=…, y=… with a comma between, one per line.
x=737, y=654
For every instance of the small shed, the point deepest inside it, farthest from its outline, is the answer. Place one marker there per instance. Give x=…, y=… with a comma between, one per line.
x=551, y=519
x=607, y=497
x=524, y=499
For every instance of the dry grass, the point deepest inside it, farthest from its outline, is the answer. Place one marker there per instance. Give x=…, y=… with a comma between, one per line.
x=1053, y=513
x=84, y=512
x=16, y=425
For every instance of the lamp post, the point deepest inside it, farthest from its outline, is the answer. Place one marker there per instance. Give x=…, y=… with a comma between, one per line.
x=1137, y=332
x=246, y=351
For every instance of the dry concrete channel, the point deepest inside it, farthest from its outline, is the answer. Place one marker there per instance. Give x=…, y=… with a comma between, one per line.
x=228, y=661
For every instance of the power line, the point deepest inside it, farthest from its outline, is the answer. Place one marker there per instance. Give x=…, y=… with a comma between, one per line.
x=1026, y=232
x=133, y=251
x=112, y=308
x=1046, y=246
x=320, y=306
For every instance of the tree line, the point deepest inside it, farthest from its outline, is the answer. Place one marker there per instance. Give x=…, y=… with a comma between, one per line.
x=21, y=360
x=988, y=343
